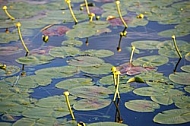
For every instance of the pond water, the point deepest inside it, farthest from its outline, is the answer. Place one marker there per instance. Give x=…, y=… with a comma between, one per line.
x=154, y=84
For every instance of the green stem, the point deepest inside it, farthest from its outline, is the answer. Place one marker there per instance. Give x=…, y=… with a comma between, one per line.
x=119, y=12
x=87, y=9
x=132, y=52
x=176, y=47
x=7, y=13
x=68, y=105
x=71, y=11
x=22, y=41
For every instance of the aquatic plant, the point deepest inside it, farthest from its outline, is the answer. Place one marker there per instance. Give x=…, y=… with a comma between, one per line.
x=132, y=52
x=117, y=2
x=113, y=69
x=71, y=11
x=140, y=16
x=117, y=73
x=18, y=25
x=175, y=45
x=7, y=13
x=66, y=93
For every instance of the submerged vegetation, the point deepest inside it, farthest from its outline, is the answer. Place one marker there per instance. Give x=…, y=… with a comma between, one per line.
x=94, y=67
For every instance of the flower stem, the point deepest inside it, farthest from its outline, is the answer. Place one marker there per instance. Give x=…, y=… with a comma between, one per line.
x=7, y=13
x=132, y=52
x=119, y=12
x=175, y=44
x=71, y=11
x=20, y=36
x=87, y=9
x=66, y=93
x=117, y=86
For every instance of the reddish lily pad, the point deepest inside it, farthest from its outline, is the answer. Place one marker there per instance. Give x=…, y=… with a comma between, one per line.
x=9, y=50
x=118, y=22
x=44, y=50
x=91, y=104
x=130, y=69
x=55, y=31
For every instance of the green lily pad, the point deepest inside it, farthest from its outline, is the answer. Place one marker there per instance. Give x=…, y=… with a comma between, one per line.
x=182, y=101
x=57, y=72
x=86, y=29
x=176, y=32
x=142, y=105
x=187, y=56
x=91, y=104
x=85, y=61
x=10, y=70
x=90, y=92
x=98, y=53
x=25, y=121
x=187, y=88
x=186, y=68
x=5, y=124
x=107, y=124
x=8, y=37
x=72, y=42
x=151, y=61
x=74, y=82
x=34, y=59
x=146, y=44
x=173, y=116
x=167, y=48
x=180, y=78
x=107, y=80
x=101, y=69
x=64, y=51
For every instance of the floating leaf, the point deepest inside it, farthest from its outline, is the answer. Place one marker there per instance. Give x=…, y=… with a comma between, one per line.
x=187, y=56
x=74, y=82
x=10, y=70
x=142, y=105
x=7, y=117
x=57, y=72
x=170, y=32
x=64, y=51
x=34, y=59
x=182, y=101
x=8, y=37
x=130, y=69
x=91, y=104
x=180, y=77
x=106, y=124
x=9, y=50
x=98, y=53
x=167, y=48
x=151, y=61
x=173, y=116
x=85, y=61
x=25, y=121
x=107, y=80
x=101, y=69
x=90, y=92
x=186, y=68
x=44, y=50
x=187, y=88
x=55, y=31
x=136, y=79
x=145, y=44
x=72, y=42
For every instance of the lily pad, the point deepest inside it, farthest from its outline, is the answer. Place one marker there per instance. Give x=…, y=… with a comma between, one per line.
x=145, y=44
x=72, y=42
x=107, y=124
x=187, y=88
x=101, y=69
x=55, y=31
x=186, y=68
x=98, y=53
x=173, y=116
x=167, y=48
x=90, y=92
x=85, y=61
x=151, y=61
x=130, y=69
x=9, y=50
x=142, y=105
x=91, y=104
x=34, y=59
x=180, y=78
x=182, y=101
x=64, y=51
x=187, y=56
x=8, y=37
x=74, y=82
x=57, y=72
x=25, y=121
x=10, y=70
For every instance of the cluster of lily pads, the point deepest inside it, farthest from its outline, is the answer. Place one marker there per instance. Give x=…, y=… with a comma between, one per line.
x=86, y=74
